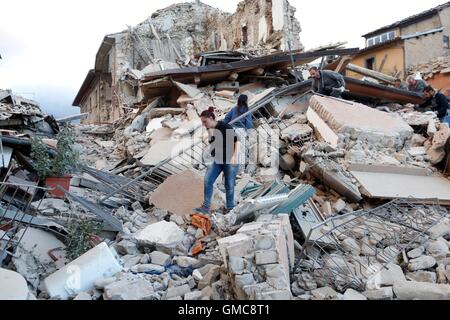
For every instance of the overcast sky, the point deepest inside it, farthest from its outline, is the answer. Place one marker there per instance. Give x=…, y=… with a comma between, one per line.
x=49, y=45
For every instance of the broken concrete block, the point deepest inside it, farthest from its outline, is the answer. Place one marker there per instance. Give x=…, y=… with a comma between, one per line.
x=287, y=162
x=130, y=261
x=306, y=282
x=179, y=193
x=103, y=282
x=242, y=281
x=137, y=289
x=325, y=293
x=159, y=258
x=161, y=234
x=339, y=206
x=416, y=253
x=441, y=229
x=386, y=277
x=243, y=241
x=210, y=277
x=125, y=247
x=410, y=290
x=296, y=131
x=279, y=295
x=178, y=291
x=177, y=219
x=385, y=293
x=266, y=257
x=194, y=295
x=296, y=290
x=33, y=253
x=83, y=296
x=351, y=294
x=80, y=274
x=334, y=118
x=186, y=262
x=148, y=268
x=421, y=263
x=352, y=246
x=13, y=286
x=441, y=274
x=438, y=248
x=422, y=276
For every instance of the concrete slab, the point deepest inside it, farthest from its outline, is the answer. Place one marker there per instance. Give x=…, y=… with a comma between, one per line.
x=80, y=274
x=164, y=149
x=396, y=182
x=356, y=120
x=179, y=193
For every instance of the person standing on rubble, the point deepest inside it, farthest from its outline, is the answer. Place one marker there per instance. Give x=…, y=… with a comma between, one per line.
x=327, y=82
x=241, y=126
x=416, y=85
x=438, y=103
x=225, y=147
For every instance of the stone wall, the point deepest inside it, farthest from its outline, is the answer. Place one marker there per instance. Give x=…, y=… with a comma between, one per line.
x=259, y=259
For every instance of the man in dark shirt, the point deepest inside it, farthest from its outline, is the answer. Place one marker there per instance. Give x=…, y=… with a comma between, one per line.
x=400, y=85
x=225, y=150
x=437, y=101
x=327, y=82
x=416, y=85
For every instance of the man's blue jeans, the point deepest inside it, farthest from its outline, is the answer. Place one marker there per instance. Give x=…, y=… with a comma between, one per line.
x=212, y=173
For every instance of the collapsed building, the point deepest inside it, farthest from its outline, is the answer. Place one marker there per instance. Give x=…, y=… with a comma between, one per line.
x=164, y=41
x=342, y=199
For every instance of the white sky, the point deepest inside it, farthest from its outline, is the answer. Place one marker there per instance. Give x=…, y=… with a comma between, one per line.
x=49, y=45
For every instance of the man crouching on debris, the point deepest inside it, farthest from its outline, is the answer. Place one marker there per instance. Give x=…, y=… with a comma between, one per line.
x=438, y=103
x=327, y=82
x=225, y=150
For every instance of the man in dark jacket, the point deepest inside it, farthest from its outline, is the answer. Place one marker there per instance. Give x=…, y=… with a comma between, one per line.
x=327, y=82
x=416, y=85
x=437, y=101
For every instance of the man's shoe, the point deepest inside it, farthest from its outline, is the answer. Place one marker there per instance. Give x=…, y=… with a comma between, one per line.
x=202, y=210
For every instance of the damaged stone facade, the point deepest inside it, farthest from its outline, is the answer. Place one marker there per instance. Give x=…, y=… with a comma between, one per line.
x=170, y=38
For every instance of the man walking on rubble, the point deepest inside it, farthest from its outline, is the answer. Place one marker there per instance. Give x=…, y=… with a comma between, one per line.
x=225, y=150
x=416, y=85
x=327, y=82
x=438, y=103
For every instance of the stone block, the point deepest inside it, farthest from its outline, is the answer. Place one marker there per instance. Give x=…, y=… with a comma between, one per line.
x=137, y=289
x=159, y=258
x=178, y=291
x=410, y=290
x=266, y=257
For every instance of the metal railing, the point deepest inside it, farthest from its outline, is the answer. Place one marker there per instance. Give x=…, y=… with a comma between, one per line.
x=17, y=214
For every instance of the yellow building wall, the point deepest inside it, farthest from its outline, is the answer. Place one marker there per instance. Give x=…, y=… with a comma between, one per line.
x=393, y=64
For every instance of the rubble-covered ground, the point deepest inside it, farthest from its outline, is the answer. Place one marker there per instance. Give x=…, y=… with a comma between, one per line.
x=340, y=199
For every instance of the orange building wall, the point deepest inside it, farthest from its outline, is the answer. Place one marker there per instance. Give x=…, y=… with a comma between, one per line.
x=441, y=81
x=394, y=61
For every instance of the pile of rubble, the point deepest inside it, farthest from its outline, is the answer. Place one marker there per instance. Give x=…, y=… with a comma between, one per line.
x=340, y=199
x=433, y=67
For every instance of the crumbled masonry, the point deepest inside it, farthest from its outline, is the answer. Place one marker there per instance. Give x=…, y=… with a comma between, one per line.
x=339, y=199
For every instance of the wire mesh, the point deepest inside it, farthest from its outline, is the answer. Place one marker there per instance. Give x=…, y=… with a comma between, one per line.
x=346, y=251
x=17, y=214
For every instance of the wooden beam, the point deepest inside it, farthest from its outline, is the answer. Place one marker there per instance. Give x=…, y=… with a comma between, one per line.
x=371, y=73
x=343, y=62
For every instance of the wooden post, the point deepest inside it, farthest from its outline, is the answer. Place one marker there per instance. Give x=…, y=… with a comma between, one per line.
x=372, y=74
